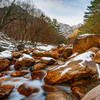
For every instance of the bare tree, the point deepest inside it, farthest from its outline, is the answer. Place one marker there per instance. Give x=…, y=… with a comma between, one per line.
x=4, y=20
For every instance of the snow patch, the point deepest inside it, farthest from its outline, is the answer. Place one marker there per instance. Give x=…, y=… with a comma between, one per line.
x=6, y=54
x=25, y=56
x=47, y=58
x=65, y=71
x=85, y=34
x=46, y=48
x=83, y=57
x=73, y=55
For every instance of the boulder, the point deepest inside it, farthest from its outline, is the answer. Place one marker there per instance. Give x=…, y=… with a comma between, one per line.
x=39, y=66
x=48, y=60
x=37, y=75
x=83, y=43
x=97, y=57
x=25, y=62
x=67, y=52
x=4, y=63
x=5, y=91
x=38, y=53
x=50, y=88
x=17, y=54
x=93, y=94
x=19, y=73
x=76, y=68
x=26, y=90
x=54, y=54
x=56, y=96
x=4, y=79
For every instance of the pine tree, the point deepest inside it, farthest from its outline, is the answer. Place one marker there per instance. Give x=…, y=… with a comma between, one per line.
x=92, y=18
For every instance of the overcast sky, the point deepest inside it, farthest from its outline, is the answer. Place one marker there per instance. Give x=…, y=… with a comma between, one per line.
x=66, y=11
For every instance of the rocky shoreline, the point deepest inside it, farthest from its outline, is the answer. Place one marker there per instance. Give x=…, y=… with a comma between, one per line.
x=66, y=72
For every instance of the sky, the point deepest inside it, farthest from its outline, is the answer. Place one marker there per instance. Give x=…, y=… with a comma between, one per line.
x=65, y=11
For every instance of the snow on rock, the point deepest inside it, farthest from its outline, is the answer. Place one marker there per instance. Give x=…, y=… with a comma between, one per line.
x=47, y=58
x=85, y=34
x=83, y=57
x=73, y=55
x=6, y=54
x=45, y=47
x=25, y=56
x=6, y=42
x=65, y=71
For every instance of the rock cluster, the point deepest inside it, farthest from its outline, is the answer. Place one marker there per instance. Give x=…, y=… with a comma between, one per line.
x=75, y=66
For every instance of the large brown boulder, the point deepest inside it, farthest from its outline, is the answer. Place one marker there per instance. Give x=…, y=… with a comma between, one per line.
x=78, y=67
x=83, y=43
x=93, y=94
x=26, y=62
x=4, y=63
x=56, y=96
x=5, y=91
x=26, y=90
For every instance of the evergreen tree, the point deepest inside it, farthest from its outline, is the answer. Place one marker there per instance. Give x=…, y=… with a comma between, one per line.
x=92, y=18
x=56, y=25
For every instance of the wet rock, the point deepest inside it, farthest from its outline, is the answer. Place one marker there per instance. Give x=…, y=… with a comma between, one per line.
x=4, y=79
x=79, y=93
x=17, y=54
x=53, y=54
x=48, y=60
x=26, y=62
x=38, y=53
x=4, y=63
x=26, y=90
x=56, y=96
x=76, y=68
x=26, y=51
x=5, y=91
x=67, y=52
x=93, y=94
x=19, y=73
x=39, y=66
x=83, y=43
x=37, y=75
x=27, y=77
x=97, y=57
x=50, y=88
